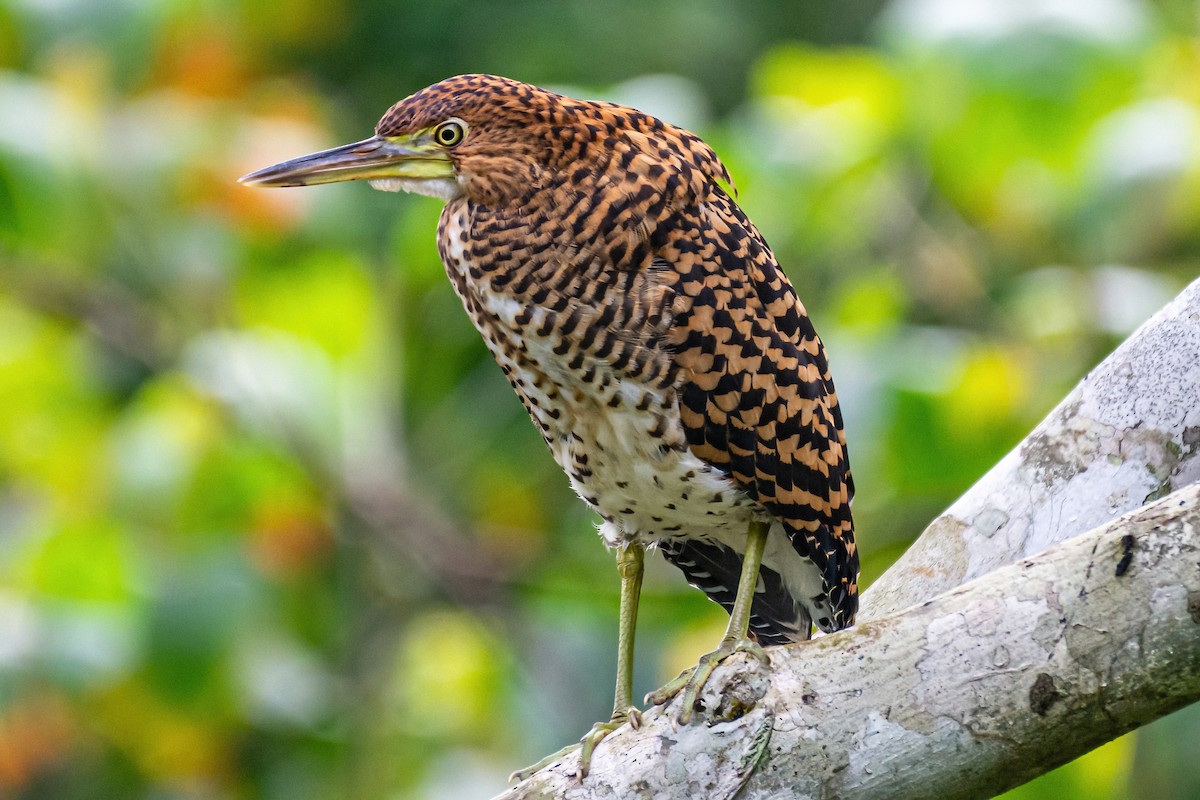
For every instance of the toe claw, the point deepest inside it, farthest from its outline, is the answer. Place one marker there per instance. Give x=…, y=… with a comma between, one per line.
x=635, y=718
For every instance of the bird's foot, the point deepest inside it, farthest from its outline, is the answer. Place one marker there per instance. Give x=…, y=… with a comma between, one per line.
x=690, y=682
x=586, y=746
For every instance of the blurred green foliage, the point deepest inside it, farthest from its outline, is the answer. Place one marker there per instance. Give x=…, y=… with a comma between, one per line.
x=272, y=523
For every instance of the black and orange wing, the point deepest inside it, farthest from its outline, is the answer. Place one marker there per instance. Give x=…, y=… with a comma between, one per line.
x=757, y=401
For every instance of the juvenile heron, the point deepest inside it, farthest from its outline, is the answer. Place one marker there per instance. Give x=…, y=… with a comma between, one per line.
x=652, y=337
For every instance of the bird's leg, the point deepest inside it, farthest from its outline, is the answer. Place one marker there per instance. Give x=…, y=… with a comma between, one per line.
x=630, y=564
x=736, y=639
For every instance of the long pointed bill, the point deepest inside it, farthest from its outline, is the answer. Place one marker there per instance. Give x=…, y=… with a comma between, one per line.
x=376, y=158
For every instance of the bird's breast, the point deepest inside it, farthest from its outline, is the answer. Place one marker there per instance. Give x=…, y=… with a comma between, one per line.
x=610, y=420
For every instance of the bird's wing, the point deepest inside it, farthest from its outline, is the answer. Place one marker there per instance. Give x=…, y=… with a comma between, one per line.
x=756, y=398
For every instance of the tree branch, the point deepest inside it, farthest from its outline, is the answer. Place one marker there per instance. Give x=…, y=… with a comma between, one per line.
x=1127, y=434
x=991, y=683
x=974, y=692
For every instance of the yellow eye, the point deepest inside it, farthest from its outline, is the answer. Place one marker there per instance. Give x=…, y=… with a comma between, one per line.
x=449, y=133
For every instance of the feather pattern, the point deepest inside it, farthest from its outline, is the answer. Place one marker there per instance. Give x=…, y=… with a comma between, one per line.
x=647, y=328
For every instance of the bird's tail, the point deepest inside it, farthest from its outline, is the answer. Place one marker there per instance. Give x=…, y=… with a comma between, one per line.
x=775, y=616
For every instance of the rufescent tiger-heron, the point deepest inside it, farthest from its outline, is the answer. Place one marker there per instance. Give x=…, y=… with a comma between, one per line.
x=654, y=340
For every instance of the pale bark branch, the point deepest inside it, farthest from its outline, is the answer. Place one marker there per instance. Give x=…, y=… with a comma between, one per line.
x=985, y=685
x=1128, y=433
x=967, y=695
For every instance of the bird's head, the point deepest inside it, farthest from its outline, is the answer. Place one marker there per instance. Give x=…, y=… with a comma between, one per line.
x=496, y=140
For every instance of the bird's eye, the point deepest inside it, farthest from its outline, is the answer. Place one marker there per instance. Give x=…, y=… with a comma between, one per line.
x=449, y=133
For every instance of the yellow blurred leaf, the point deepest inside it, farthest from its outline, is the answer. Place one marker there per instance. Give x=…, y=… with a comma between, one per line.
x=450, y=666
x=85, y=561
x=326, y=298
x=858, y=81
x=52, y=420
x=873, y=302
x=993, y=384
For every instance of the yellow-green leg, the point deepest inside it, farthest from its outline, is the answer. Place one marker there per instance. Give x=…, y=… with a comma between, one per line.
x=736, y=639
x=630, y=562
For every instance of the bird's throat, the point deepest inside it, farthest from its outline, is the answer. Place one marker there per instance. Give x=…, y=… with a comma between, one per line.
x=442, y=188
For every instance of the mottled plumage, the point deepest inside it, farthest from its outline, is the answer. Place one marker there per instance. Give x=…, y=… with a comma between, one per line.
x=646, y=326
x=614, y=278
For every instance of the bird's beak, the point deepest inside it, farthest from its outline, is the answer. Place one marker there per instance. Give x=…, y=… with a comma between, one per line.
x=371, y=159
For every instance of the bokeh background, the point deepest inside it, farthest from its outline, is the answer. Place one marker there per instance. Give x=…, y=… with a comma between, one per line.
x=272, y=524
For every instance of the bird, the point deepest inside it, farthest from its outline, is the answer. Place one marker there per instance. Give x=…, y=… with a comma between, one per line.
x=649, y=331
